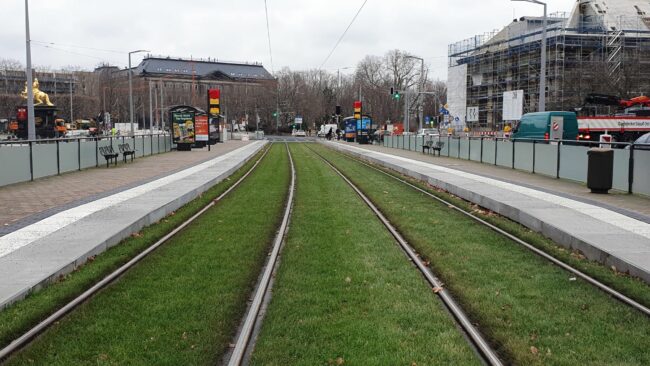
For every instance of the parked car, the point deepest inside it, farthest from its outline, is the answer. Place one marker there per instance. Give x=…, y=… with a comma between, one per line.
x=299, y=133
x=428, y=132
x=645, y=140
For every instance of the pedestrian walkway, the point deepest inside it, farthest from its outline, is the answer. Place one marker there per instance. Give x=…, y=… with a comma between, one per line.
x=612, y=229
x=23, y=204
x=56, y=245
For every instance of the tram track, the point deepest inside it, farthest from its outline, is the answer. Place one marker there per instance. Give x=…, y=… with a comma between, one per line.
x=530, y=247
x=484, y=350
x=24, y=339
x=244, y=343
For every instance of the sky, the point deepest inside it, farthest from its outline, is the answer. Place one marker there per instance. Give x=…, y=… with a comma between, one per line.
x=86, y=33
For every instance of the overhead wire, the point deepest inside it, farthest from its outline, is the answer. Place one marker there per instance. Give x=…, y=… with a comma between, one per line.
x=68, y=51
x=343, y=35
x=80, y=47
x=268, y=33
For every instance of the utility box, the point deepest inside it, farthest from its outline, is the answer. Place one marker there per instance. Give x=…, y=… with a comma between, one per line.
x=600, y=174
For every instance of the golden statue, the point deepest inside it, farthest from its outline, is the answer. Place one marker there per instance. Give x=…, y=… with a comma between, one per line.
x=40, y=98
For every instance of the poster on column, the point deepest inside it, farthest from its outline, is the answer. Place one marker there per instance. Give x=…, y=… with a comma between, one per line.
x=183, y=127
x=201, y=127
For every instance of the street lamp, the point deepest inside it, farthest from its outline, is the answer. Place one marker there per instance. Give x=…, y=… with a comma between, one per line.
x=131, y=89
x=420, y=108
x=31, y=124
x=542, y=73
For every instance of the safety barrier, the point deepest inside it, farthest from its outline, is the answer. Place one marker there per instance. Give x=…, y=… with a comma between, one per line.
x=22, y=160
x=558, y=159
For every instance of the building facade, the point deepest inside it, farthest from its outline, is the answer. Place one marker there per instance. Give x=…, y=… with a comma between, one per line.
x=600, y=47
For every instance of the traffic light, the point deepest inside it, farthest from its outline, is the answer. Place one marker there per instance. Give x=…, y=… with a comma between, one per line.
x=338, y=110
x=275, y=114
x=358, y=109
x=395, y=94
x=214, y=102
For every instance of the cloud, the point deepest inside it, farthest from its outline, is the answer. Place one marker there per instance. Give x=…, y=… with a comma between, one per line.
x=303, y=32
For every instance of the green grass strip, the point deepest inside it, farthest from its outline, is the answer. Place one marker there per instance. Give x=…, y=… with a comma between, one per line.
x=533, y=312
x=632, y=287
x=182, y=304
x=345, y=293
x=22, y=316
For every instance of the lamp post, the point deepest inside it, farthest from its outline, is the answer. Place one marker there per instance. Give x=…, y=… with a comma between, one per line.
x=542, y=73
x=31, y=124
x=338, y=91
x=420, y=87
x=131, y=89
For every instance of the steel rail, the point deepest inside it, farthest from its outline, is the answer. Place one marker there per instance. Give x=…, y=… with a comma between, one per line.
x=610, y=291
x=489, y=355
x=244, y=337
x=24, y=339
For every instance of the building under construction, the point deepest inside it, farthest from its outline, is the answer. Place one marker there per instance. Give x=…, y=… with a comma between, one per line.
x=600, y=47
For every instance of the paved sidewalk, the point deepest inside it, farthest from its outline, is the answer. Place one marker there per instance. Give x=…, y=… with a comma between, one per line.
x=40, y=252
x=635, y=206
x=23, y=204
x=620, y=239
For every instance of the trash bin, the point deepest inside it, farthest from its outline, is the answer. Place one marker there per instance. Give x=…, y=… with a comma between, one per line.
x=600, y=174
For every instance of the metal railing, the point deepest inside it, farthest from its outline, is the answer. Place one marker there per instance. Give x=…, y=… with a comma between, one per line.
x=561, y=159
x=26, y=160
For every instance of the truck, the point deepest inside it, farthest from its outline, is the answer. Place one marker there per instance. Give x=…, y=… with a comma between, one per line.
x=547, y=126
x=629, y=120
x=324, y=129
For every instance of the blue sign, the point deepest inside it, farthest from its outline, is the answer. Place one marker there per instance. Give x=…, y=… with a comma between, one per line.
x=444, y=111
x=427, y=119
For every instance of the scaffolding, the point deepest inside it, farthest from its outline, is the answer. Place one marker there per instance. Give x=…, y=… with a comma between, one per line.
x=593, y=55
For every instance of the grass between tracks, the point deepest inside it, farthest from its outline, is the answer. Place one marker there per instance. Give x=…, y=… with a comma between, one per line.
x=345, y=293
x=182, y=304
x=533, y=312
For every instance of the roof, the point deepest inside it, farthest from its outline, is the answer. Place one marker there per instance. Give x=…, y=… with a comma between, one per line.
x=202, y=69
x=613, y=15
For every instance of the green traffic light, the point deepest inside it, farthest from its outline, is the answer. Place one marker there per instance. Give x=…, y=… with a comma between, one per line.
x=397, y=96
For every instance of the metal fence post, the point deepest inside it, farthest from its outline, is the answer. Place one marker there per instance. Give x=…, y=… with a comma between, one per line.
x=459, y=148
x=514, y=142
x=31, y=161
x=448, y=146
x=469, y=148
x=79, y=153
x=496, y=151
x=630, y=179
x=557, y=174
x=97, y=152
x=482, y=149
x=534, y=150
x=58, y=159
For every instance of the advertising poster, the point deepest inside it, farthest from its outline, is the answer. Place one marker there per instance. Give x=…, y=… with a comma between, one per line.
x=183, y=127
x=201, y=127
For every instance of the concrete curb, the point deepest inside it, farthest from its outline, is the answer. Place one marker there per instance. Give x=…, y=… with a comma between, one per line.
x=30, y=268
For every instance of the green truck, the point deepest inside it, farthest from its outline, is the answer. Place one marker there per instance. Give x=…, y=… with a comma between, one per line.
x=547, y=126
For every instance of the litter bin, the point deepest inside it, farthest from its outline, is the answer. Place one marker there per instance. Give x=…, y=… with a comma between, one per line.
x=600, y=174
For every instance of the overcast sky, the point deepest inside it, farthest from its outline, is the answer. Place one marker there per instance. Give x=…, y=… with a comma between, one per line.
x=302, y=32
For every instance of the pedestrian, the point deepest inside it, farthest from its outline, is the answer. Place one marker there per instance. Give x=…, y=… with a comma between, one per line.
x=329, y=134
x=338, y=134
